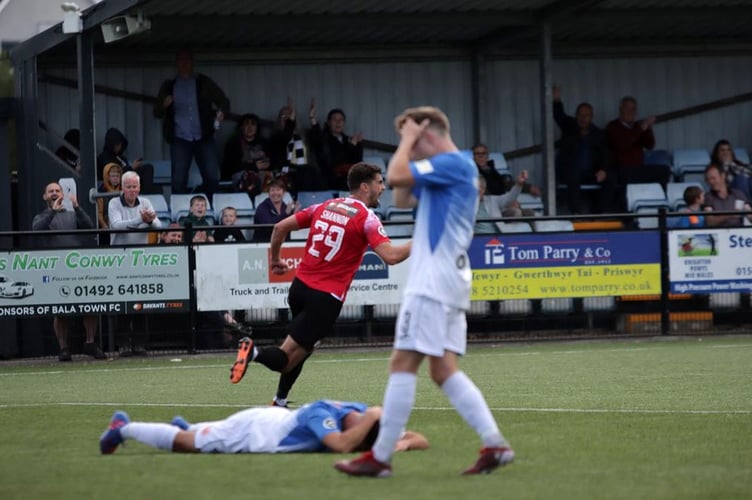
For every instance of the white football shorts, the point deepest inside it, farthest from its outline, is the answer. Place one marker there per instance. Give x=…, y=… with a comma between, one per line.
x=256, y=430
x=430, y=327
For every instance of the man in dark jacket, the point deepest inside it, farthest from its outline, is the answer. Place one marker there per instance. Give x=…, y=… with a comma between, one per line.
x=583, y=155
x=191, y=106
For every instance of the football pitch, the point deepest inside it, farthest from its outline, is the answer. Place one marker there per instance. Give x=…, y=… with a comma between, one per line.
x=654, y=418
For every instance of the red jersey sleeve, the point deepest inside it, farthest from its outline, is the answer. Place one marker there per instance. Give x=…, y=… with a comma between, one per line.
x=374, y=231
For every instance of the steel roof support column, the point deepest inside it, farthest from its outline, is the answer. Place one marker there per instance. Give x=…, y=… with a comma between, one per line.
x=31, y=180
x=86, y=121
x=479, y=89
x=547, y=119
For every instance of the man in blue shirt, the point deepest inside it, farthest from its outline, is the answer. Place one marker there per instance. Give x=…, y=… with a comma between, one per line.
x=191, y=106
x=324, y=425
x=428, y=166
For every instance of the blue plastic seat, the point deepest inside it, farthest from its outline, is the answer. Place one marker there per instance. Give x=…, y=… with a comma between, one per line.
x=690, y=162
x=646, y=199
x=241, y=202
x=308, y=198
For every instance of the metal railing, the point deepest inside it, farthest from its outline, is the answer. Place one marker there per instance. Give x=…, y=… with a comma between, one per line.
x=504, y=317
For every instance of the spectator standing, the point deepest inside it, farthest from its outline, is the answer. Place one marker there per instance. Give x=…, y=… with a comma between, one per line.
x=738, y=174
x=246, y=162
x=56, y=218
x=191, y=107
x=288, y=153
x=335, y=151
x=130, y=211
x=721, y=198
x=583, y=155
x=271, y=211
x=627, y=139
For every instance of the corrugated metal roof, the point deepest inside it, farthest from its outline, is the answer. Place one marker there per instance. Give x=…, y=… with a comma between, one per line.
x=465, y=24
x=303, y=7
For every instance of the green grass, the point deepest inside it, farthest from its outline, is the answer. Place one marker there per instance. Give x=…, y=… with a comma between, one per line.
x=649, y=419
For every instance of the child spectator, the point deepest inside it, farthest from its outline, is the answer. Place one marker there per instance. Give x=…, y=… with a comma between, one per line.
x=694, y=197
x=174, y=237
x=112, y=173
x=197, y=217
x=228, y=234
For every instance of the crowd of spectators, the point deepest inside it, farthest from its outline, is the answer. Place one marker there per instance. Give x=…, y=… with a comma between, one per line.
x=272, y=158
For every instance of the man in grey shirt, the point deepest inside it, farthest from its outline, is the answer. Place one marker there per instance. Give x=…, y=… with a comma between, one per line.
x=56, y=218
x=721, y=198
x=130, y=211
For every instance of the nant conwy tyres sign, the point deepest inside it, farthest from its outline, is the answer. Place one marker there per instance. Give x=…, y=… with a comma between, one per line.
x=94, y=281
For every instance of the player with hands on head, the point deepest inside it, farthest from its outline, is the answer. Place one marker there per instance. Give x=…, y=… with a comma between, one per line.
x=428, y=166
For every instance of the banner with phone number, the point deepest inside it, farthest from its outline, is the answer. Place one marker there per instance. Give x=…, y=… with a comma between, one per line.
x=94, y=281
x=537, y=266
x=710, y=260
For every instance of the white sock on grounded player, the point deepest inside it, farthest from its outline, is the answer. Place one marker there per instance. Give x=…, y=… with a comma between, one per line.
x=157, y=435
x=399, y=399
x=470, y=404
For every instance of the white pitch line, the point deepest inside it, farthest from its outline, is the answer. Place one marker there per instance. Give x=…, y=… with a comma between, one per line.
x=501, y=352
x=638, y=411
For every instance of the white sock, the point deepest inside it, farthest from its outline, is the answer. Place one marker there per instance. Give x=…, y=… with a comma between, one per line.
x=398, y=403
x=470, y=404
x=157, y=435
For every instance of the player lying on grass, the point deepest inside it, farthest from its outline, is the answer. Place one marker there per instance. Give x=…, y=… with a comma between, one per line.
x=323, y=425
